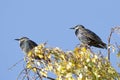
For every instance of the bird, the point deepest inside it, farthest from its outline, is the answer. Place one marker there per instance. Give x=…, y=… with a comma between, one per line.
x=26, y=44
x=88, y=37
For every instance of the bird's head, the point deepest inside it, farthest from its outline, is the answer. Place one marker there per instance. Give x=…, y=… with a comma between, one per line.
x=78, y=27
x=22, y=39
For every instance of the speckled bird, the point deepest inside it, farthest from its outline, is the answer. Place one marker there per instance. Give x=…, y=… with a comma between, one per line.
x=88, y=37
x=26, y=44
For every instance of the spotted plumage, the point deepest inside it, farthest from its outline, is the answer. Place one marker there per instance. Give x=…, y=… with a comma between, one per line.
x=88, y=37
x=26, y=44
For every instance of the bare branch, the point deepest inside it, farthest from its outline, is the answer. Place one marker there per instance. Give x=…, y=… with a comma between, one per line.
x=20, y=74
x=39, y=75
x=109, y=39
x=15, y=64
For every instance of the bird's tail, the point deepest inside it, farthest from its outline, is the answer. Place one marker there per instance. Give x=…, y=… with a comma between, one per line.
x=103, y=45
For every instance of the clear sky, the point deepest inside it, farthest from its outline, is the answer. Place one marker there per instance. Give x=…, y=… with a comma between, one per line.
x=50, y=20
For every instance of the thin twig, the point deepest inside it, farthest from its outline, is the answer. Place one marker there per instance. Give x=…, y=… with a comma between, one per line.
x=20, y=74
x=39, y=75
x=15, y=64
x=49, y=78
x=26, y=72
x=109, y=39
x=38, y=69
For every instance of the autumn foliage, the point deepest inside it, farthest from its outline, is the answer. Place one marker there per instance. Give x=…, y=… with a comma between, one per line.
x=78, y=64
x=82, y=63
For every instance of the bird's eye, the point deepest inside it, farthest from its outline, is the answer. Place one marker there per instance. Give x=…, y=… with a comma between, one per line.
x=82, y=26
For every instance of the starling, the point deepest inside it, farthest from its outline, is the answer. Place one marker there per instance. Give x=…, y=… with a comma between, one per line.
x=88, y=37
x=26, y=44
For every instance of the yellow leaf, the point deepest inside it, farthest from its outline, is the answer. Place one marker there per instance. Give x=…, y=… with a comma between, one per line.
x=34, y=69
x=43, y=73
x=69, y=75
x=84, y=49
x=40, y=56
x=69, y=65
x=80, y=77
x=76, y=50
x=88, y=60
x=118, y=54
x=29, y=54
x=63, y=56
x=29, y=65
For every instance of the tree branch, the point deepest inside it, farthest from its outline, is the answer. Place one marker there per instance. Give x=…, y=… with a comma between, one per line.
x=109, y=39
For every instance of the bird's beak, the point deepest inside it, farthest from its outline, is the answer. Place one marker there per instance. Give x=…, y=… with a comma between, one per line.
x=17, y=39
x=72, y=28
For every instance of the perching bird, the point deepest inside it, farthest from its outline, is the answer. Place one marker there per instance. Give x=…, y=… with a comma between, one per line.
x=26, y=44
x=88, y=37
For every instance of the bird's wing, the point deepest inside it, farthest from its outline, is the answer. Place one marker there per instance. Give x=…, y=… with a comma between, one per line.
x=32, y=43
x=92, y=35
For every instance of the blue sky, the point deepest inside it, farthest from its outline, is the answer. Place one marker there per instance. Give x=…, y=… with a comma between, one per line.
x=50, y=20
